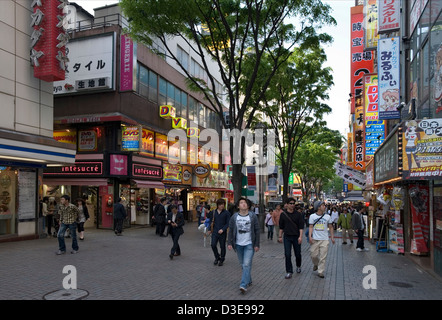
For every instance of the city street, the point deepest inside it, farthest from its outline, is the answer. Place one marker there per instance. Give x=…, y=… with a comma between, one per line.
x=136, y=266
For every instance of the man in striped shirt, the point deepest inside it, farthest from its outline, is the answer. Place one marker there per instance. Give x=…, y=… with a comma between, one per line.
x=68, y=219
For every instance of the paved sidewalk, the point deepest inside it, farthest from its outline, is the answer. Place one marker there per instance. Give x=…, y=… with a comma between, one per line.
x=136, y=266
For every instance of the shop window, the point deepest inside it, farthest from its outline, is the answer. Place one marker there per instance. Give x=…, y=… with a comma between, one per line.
x=8, y=192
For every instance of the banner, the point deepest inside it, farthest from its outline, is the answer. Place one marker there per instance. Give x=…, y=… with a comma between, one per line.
x=422, y=155
x=350, y=175
x=371, y=35
x=251, y=178
x=389, y=79
x=361, y=62
x=419, y=204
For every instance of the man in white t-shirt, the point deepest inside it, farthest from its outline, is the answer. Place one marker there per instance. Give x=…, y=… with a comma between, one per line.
x=320, y=224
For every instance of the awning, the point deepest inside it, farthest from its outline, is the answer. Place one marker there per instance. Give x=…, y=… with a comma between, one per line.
x=76, y=181
x=149, y=184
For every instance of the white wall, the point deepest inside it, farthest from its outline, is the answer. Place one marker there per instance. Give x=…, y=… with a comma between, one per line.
x=26, y=103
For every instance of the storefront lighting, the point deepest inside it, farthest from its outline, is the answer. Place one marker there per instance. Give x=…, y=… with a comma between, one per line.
x=22, y=159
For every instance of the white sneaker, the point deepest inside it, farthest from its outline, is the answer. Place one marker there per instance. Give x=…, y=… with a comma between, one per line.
x=366, y=249
x=358, y=249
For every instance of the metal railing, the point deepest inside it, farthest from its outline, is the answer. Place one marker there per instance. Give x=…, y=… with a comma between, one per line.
x=100, y=22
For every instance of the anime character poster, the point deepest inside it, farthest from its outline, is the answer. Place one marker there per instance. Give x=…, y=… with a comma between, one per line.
x=422, y=149
x=388, y=78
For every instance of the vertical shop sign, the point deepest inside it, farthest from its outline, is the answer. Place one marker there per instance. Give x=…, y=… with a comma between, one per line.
x=389, y=15
x=388, y=84
x=361, y=62
x=48, y=40
x=128, y=65
x=371, y=35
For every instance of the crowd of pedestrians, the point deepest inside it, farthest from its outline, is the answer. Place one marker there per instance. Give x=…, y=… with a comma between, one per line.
x=236, y=228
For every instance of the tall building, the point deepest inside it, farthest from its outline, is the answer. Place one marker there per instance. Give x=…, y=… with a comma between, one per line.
x=396, y=124
x=27, y=116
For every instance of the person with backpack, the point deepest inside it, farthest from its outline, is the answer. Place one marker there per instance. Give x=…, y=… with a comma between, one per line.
x=291, y=224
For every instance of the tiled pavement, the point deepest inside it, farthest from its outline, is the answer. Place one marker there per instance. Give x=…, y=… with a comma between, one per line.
x=136, y=266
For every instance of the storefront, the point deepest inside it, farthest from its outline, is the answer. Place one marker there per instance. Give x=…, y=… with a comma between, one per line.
x=22, y=159
x=407, y=188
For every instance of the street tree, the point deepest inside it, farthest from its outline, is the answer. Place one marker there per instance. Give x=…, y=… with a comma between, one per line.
x=294, y=103
x=238, y=35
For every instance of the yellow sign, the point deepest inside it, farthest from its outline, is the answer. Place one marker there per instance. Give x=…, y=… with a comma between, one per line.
x=179, y=123
x=193, y=132
x=167, y=112
x=65, y=136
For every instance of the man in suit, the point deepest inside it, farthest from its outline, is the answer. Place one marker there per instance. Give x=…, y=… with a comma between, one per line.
x=175, y=220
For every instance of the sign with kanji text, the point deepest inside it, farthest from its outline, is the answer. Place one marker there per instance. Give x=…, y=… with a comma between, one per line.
x=91, y=65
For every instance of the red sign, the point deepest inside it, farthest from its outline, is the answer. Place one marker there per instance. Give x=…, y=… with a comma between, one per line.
x=48, y=40
x=361, y=62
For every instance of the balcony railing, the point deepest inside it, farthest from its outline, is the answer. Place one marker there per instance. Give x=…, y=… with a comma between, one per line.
x=100, y=22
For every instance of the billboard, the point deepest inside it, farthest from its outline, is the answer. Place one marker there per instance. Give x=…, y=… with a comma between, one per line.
x=422, y=154
x=389, y=15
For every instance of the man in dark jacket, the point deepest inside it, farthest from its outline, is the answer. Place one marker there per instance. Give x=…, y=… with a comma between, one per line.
x=219, y=219
x=175, y=220
x=160, y=217
x=119, y=216
x=291, y=223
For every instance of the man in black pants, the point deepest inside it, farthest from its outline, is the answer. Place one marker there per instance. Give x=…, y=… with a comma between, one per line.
x=291, y=223
x=219, y=219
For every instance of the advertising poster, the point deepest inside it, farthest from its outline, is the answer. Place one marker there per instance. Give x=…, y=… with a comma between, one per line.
x=388, y=83
x=147, y=142
x=374, y=137
x=161, y=147
x=361, y=62
x=131, y=138
x=87, y=140
x=350, y=175
x=422, y=152
x=420, y=211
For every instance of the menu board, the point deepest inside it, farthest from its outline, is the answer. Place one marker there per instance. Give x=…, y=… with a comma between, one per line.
x=27, y=183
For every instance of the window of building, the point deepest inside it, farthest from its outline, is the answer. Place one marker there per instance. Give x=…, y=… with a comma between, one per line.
x=201, y=115
x=153, y=86
x=183, y=57
x=192, y=109
x=184, y=104
x=162, y=97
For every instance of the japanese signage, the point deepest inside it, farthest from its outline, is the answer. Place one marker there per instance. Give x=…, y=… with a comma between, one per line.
x=128, y=64
x=87, y=140
x=388, y=81
x=145, y=171
x=131, y=138
x=79, y=168
x=386, y=160
x=161, y=146
x=389, y=15
x=361, y=62
x=147, y=142
x=91, y=65
x=371, y=35
x=48, y=40
x=371, y=97
x=359, y=155
x=374, y=136
x=350, y=175
x=422, y=155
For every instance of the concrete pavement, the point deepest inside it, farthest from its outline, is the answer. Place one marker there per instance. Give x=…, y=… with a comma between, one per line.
x=136, y=266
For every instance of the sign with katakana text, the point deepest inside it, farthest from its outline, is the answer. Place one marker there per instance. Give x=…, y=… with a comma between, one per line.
x=388, y=78
x=91, y=65
x=389, y=15
x=48, y=40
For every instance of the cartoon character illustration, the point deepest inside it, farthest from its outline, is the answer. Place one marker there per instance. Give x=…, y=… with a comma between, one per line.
x=391, y=100
x=411, y=136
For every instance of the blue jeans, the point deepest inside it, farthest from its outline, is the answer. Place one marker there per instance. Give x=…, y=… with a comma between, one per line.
x=73, y=228
x=245, y=256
